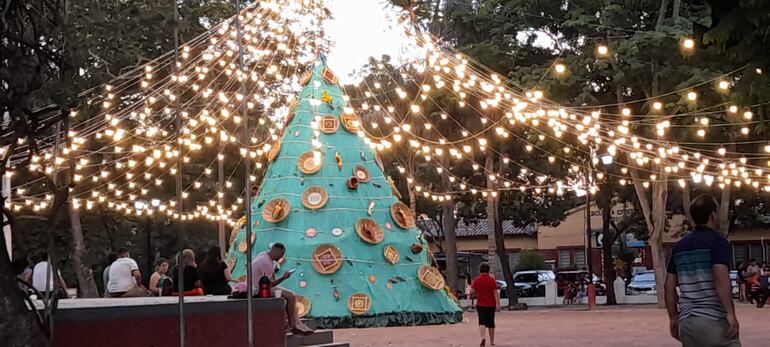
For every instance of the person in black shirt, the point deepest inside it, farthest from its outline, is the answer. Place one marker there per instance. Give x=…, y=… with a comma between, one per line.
x=741, y=280
x=192, y=283
x=214, y=274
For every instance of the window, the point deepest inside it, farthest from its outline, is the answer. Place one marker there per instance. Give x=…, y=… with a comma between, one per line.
x=580, y=258
x=740, y=253
x=565, y=258
x=756, y=251
x=513, y=259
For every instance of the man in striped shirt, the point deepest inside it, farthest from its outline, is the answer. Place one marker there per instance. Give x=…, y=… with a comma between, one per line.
x=699, y=264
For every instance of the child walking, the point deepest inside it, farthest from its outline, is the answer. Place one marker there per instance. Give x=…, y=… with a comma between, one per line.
x=484, y=288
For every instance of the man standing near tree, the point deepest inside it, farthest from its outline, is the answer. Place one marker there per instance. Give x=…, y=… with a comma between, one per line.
x=699, y=266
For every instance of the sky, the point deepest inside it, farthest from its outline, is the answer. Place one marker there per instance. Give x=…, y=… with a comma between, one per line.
x=360, y=29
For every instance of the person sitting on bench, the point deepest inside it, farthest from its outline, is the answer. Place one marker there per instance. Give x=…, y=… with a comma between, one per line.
x=192, y=283
x=125, y=280
x=263, y=266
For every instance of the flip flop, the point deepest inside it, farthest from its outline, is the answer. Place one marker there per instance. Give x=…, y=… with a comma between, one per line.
x=483, y=343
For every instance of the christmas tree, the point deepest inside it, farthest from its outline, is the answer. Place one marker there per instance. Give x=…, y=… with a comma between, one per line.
x=359, y=259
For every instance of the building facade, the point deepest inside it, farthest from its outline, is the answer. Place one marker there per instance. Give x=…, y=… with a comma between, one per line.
x=564, y=246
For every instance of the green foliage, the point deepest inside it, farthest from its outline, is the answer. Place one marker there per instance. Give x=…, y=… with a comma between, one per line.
x=531, y=260
x=82, y=46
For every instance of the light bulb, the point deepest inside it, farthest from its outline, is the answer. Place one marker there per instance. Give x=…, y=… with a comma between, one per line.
x=602, y=50
x=688, y=43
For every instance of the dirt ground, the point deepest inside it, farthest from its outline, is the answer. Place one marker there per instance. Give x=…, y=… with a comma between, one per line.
x=624, y=326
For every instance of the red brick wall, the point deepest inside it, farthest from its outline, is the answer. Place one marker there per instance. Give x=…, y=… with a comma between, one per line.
x=123, y=326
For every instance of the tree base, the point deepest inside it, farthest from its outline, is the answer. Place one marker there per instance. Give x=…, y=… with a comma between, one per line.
x=386, y=320
x=518, y=307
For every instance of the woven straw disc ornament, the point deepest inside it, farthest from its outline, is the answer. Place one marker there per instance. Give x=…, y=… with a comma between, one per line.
x=402, y=215
x=361, y=173
x=326, y=259
x=369, y=231
x=359, y=303
x=273, y=152
x=391, y=254
x=329, y=124
x=350, y=122
x=430, y=277
x=292, y=107
x=303, y=306
x=243, y=246
x=238, y=225
x=309, y=162
x=276, y=210
x=314, y=198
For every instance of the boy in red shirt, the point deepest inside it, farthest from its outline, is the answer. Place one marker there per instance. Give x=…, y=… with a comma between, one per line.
x=484, y=288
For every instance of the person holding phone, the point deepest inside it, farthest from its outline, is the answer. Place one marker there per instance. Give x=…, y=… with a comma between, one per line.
x=263, y=266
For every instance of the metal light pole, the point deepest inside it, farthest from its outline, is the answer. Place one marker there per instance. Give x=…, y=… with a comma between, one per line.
x=246, y=180
x=178, y=181
x=589, y=249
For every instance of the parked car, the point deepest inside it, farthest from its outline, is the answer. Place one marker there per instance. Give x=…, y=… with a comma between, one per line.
x=532, y=283
x=575, y=276
x=528, y=283
x=642, y=283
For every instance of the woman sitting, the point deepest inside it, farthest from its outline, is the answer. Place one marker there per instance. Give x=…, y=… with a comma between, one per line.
x=191, y=283
x=214, y=274
x=159, y=277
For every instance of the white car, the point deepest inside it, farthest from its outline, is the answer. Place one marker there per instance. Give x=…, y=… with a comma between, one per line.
x=643, y=283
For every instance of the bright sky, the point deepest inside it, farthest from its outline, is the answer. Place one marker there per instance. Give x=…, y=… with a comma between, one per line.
x=360, y=29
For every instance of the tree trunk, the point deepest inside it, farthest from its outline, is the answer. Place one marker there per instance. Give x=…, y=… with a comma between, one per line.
x=724, y=210
x=18, y=326
x=661, y=14
x=655, y=220
x=675, y=11
x=448, y=224
x=724, y=204
x=412, y=195
x=86, y=285
x=659, y=198
x=435, y=18
x=84, y=274
x=686, y=201
x=608, y=238
x=491, y=212
x=505, y=265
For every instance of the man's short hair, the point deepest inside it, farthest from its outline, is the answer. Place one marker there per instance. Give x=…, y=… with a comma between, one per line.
x=279, y=245
x=484, y=268
x=702, y=207
x=122, y=251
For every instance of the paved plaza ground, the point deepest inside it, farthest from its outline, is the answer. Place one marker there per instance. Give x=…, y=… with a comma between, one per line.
x=624, y=326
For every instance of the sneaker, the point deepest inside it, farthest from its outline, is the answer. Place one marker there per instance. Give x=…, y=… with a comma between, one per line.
x=302, y=329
